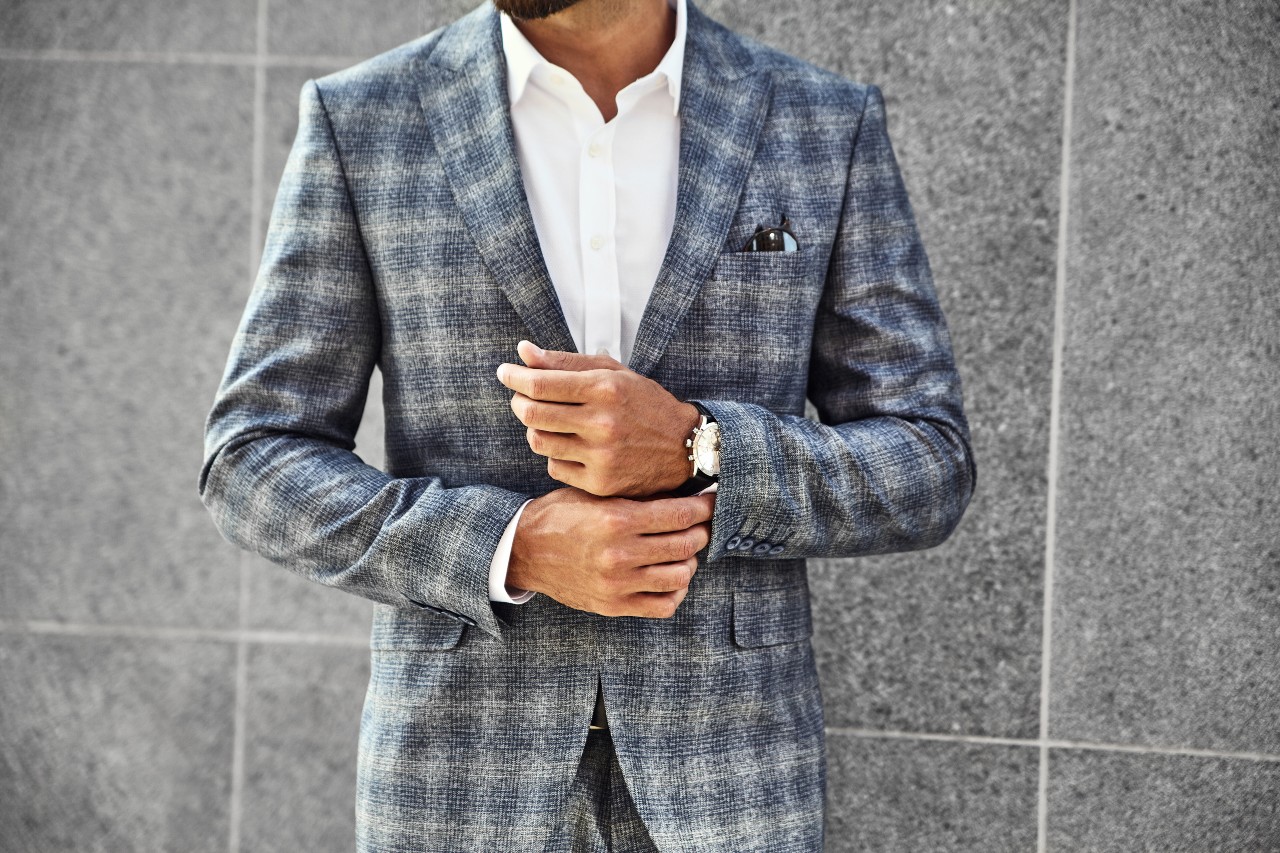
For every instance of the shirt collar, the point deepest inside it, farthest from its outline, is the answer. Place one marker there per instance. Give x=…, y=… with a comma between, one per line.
x=522, y=58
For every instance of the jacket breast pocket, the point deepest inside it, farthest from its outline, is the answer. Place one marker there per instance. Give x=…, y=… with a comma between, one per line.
x=754, y=316
x=771, y=617
x=402, y=629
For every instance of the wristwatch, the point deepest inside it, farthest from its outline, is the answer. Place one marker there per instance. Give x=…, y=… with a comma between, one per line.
x=704, y=453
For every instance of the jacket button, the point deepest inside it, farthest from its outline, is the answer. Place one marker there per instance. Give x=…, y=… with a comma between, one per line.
x=746, y=544
x=732, y=544
x=762, y=548
x=776, y=550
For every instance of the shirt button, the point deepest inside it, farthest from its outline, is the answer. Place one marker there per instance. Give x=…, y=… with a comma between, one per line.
x=597, y=241
x=558, y=79
x=594, y=150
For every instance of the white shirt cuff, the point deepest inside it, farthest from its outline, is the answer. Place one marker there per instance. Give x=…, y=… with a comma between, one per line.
x=501, y=559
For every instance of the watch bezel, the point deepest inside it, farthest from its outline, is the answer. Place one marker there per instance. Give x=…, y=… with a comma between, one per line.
x=706, y=447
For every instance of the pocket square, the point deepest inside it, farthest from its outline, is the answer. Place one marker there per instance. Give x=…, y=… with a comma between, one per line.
x=773, y=238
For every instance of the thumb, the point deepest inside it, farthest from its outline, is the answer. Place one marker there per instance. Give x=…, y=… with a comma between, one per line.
x=561, y=360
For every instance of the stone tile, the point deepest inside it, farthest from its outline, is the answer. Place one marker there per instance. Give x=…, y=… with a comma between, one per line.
x=1166, y=625
x=907, y=795
x=124, y=199
x=282, y=600
x=303, y=712
x=335, y=28
x=146, y=25
x=115, y=744
x=1107, y=802
x=949, y=640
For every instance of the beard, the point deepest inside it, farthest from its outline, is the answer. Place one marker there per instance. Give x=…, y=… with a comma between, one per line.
x=532, y=10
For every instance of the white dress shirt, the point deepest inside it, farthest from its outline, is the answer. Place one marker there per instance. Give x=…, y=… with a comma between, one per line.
x=603, y=198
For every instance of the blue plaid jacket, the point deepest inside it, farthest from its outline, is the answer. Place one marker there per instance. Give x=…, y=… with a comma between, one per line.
x=401, y=238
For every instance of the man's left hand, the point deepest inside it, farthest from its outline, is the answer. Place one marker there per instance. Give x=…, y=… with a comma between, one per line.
x=604, y=428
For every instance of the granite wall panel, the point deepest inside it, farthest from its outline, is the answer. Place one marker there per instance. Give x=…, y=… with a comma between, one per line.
x=124, y=202
x=1167, y=599
x=1125, y=803
x=899, y=794
x=129, y=25
x=302, y=709
x=110, y=743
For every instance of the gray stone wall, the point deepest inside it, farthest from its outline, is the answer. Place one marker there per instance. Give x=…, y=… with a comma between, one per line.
x=1090, y=663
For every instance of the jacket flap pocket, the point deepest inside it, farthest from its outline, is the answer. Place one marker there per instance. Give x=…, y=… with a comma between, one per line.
x=396, y=628
x=770, y=617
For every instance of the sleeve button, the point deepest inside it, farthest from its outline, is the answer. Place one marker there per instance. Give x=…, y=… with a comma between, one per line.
x=776, y=550
x=746, y=544
x=762, y=548
x=732, y=544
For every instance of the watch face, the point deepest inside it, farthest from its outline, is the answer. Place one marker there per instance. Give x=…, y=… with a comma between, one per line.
x=706, y=449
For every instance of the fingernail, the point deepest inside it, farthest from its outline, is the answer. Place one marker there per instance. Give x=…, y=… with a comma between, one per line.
x=500, y=368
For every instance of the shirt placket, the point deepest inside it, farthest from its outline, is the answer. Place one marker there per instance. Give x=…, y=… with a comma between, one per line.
x=597, y=236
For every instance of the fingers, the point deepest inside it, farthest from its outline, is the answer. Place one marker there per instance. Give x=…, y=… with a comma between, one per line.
x=553, y=417
x=560, y=360
x=656, y=605
x=676, y=545
x=623, y=558
x=668, y=514
x=556, y=445
x=556, y=386
x=652, y=591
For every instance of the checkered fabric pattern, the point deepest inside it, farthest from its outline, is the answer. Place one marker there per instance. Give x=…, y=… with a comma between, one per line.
x=401, y=238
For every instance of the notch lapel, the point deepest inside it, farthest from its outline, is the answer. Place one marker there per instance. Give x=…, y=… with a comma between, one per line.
x=722, y=109
x=462, y=89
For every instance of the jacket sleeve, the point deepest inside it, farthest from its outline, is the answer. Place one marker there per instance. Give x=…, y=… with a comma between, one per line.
x=279, y=475
x=889, y=467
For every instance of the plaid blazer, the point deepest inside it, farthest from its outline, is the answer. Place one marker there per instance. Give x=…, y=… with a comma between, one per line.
x=401, y=238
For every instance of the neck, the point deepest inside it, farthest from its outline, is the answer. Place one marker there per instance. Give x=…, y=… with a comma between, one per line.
x=605, y=44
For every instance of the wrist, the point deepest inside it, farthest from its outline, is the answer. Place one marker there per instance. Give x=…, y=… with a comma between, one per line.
x=520, y=576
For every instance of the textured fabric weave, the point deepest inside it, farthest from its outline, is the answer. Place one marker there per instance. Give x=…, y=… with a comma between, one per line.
x=401, y=237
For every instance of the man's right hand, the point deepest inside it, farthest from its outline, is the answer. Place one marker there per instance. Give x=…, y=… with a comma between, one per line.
x=612, y=556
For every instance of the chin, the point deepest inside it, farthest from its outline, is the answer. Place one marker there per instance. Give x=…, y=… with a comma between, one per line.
x=533, y=10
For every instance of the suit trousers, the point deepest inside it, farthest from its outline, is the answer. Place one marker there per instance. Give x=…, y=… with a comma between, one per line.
x=600, y=815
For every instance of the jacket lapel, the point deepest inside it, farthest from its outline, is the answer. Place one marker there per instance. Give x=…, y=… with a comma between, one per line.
x=722, y=109
x=462, y=88
x=463, y=91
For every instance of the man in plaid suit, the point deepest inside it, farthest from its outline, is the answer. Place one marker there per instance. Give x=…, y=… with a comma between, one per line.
x=592, y=628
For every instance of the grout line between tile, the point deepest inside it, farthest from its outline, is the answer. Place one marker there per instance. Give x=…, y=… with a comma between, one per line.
x=241, y=60
x=1044, y=745
x=237, y=737
x=1055, y=431
x=160, y=632
x=256, y=154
